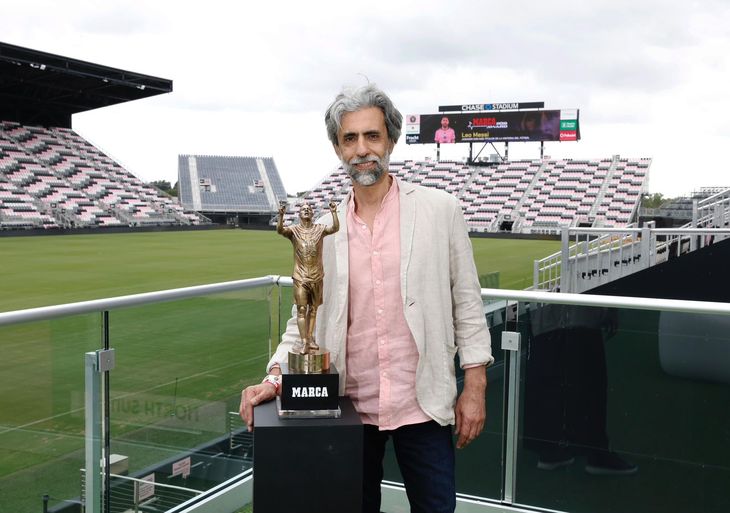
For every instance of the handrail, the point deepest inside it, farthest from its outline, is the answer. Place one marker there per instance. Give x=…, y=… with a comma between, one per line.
x=660, y=231
x=635, y=303
x=709, y=200
x=650, y=241
x=98, y=305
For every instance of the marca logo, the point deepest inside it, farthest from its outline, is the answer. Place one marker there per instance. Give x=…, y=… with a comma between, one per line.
x=309, y=392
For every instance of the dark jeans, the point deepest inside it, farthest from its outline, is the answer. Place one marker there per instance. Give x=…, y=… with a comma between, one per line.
x=425, y=454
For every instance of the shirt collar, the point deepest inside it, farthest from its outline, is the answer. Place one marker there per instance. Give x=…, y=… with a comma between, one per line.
x=391, y=195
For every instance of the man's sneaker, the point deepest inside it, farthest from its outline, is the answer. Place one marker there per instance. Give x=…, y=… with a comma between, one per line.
x=607, y=463
x=552, y=460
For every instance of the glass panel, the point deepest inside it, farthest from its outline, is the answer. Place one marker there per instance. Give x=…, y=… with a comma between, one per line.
x=42, y=410
x=176, y=388
x=478, y=466
x=625, y=410
x=286, y=301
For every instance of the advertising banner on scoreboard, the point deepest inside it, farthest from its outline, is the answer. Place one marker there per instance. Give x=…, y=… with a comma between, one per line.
x=534, y=125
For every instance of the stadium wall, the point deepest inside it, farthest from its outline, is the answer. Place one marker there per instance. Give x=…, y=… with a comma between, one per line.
x=702, y=275
x=511, y=235
x=114, y=229
x=688, y=346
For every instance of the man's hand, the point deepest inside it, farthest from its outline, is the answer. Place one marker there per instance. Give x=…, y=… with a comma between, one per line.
x=333, y=206
x=471, y=410
x=282, y=208
x=253, y=396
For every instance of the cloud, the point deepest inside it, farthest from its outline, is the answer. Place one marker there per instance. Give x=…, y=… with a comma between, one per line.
x=255, y=78
x=117, y=21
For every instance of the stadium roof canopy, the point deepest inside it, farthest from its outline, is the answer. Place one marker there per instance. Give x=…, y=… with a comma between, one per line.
x=40, y=88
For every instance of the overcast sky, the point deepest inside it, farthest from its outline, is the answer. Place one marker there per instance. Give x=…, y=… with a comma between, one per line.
x=253, y=78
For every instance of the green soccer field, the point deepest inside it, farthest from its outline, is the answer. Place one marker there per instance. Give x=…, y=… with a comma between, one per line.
x=41, y=271
x=180, y=365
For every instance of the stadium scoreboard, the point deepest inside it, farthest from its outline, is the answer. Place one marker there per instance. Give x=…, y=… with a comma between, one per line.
x=492, y=122
x=471, y=107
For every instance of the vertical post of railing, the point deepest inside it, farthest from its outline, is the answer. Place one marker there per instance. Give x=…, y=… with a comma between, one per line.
x=270, y=302
x=622, y=243
x=716, y=216
x=106, y=420
x=511, y=344
x=584, y=249
x=535, y=274
x=645, y=246
x=93, y=434
x=136, y=497
x=278, y=323
x=565, y=285
x=96, y=363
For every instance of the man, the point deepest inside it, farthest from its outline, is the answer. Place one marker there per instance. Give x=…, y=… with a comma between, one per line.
x=401, y=298
x=306, y=237
x=445, y=134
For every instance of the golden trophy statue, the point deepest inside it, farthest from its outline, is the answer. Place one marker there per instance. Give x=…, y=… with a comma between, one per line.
x=306, y=238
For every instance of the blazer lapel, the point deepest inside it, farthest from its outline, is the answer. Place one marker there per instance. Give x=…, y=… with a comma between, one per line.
x=342, y=280
x=407, y=228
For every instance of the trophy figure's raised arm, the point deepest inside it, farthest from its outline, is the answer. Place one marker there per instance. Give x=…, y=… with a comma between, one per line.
x=306, y=238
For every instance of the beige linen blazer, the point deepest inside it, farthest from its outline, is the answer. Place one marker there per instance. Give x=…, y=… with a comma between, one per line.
x=441, y=296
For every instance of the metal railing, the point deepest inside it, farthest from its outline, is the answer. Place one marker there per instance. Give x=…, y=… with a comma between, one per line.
x=97, y=483
x=512, y=359
x=711, y=212
x=131, y=494
x=590, y=257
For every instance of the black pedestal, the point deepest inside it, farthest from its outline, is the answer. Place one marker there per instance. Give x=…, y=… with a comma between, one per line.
x=307, y=465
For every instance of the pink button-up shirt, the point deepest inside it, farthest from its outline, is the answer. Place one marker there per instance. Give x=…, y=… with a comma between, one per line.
x=381, y=354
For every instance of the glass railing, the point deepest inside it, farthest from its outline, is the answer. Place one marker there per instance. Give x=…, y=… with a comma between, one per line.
x=623, y=410
x=180, y=369
x=42, y=410
x=606, y=404
x=165, y=378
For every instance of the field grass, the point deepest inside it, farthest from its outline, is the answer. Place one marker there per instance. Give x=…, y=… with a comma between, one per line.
x=41, y=271
x=180, y=365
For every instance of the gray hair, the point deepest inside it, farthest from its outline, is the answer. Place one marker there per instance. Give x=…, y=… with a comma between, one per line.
x=354, y=99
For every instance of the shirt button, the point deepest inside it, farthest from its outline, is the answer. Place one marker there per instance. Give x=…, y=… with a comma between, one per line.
x=380, y=311
x=382, y=342
x=375, y=253
x=377, y=282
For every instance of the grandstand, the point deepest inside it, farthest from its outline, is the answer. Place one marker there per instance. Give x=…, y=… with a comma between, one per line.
x=590, y=257
x=232, y=190
x=50, y=176
x=523, y=196
x=678, y=211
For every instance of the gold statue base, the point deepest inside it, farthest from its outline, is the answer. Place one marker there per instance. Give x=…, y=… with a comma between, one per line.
x=311, y=363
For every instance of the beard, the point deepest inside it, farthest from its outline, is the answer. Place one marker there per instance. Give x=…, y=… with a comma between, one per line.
x=371, y=176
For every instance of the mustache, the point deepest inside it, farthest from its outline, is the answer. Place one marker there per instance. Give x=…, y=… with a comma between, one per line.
x=363, y=160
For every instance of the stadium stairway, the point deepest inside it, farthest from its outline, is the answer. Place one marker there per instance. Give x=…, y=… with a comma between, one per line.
x=597, y=257
x=533, y=196
x=53, y=178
